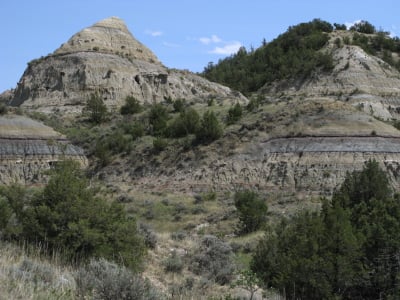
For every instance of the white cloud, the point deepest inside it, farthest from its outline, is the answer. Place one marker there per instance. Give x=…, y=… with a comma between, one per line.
x=154, y=32
x=208, y=40
x=228, y=49
x=350, y=24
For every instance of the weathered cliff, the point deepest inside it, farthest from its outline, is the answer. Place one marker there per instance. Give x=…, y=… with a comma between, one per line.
x=106, y=59
x=28, y=149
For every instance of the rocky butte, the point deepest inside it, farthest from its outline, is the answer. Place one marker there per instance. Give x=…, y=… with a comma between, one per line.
x=106, y=59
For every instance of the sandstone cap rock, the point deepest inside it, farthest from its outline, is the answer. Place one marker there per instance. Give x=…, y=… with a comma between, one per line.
x=110, y=35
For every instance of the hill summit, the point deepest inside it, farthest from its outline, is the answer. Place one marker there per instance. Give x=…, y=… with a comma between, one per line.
x=110, y=35
x=106, y=59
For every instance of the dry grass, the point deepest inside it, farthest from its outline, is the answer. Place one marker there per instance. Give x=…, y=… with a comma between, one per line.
x=24, y=274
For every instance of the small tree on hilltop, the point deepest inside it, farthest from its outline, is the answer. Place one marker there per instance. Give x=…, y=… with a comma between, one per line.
x=363, y=27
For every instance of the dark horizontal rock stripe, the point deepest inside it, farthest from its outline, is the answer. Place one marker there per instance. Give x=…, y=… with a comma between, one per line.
x=374, y=144
x=37, y=147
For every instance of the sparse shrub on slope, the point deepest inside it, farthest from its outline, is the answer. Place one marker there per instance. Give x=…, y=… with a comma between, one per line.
x=210, y=128
x=213, y=259
x=104, y=280
x=95, y=109
x=158, y=118
x=234, y=114
x=131, y=106
x=188, y=122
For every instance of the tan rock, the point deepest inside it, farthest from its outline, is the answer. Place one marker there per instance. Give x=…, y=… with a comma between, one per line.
x=29, y=148
x=105, y=58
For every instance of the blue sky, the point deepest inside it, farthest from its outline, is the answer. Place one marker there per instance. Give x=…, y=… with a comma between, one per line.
x=183, y=34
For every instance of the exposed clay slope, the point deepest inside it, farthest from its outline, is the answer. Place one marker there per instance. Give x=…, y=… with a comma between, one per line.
x=293, y=148
x=358, y=77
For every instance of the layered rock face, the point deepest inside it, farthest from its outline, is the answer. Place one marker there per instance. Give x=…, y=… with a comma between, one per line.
x=302, y=167
x=29, y=148
x=106, y=59
x=364, y=80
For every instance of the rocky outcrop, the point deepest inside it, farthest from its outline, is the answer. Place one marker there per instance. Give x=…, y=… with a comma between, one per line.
x=301, y=166
x=108, y=60
x=29, y=148
x=359, y=78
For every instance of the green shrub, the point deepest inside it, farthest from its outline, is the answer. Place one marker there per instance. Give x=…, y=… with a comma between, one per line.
x=5, y=213
x=131, y=106
x=340, y=26
x=363, y=27
x=210, y=128
x=3, y=108
x=136, y=130
x=117, y=142
x=95, y=109
x=252, y=211
x=103, y=153
x=158, y=118
x=188, y=122
x=66, y=215
x=179, y=105
x=234, y=114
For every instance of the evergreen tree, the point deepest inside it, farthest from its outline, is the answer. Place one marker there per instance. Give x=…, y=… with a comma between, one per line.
x=252, y=211
x=131, y=106
x=68, y=217
x=350, y=250
x=158, y=118
x=210, y=128
x=96, y=109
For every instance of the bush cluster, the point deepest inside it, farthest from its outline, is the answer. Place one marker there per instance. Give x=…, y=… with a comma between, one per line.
x=348, y=250
x=66, y=215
